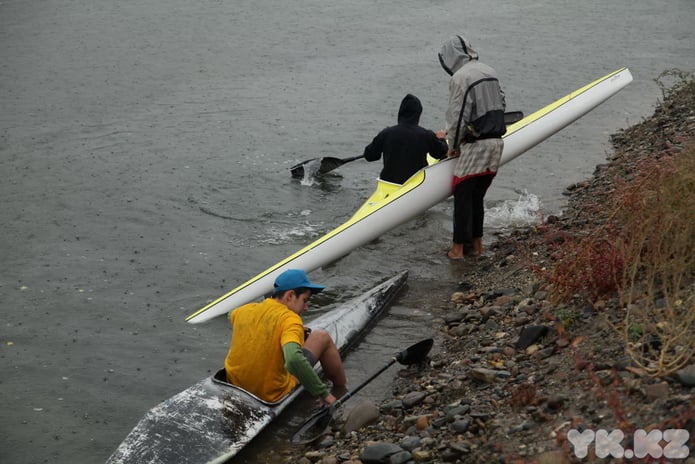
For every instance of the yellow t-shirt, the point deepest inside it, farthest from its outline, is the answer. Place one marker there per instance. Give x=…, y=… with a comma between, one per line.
x=255, y=361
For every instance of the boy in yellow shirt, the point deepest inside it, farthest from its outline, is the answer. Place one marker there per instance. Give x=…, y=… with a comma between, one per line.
x=268, y=353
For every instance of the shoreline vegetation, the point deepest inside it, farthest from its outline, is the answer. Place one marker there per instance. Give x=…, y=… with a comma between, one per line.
x=581, y=324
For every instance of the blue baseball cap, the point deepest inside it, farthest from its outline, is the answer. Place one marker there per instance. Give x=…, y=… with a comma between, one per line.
x=295, y=278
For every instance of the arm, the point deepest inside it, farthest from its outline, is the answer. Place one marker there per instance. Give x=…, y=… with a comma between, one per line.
x=438, y=147
x=453, y=111
x=297, y=365
x=372, y=152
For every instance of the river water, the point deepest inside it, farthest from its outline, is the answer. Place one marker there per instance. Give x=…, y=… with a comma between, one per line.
x=144, y=152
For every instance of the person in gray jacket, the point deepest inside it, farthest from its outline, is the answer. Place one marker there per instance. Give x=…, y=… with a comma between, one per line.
x=474, y=128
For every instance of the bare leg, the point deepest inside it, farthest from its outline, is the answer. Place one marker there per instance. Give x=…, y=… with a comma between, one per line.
x=323, y=348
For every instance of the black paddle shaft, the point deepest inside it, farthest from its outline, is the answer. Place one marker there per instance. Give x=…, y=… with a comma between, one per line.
x=318, y=422
x=327, y=164
x=411, y=355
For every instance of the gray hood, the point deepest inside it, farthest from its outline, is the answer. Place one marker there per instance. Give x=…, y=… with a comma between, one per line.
x=456, y=52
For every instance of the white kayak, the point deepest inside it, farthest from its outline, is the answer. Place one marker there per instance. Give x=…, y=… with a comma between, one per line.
x=393, y=204
x=212, y=421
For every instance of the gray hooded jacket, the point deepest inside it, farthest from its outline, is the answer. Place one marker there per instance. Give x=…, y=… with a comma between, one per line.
x=476, y=101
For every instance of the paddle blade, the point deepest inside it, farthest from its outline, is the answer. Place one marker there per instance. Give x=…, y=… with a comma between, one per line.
x=298, y=169
x=314, y=427
x=415, y=353
x=513, y=116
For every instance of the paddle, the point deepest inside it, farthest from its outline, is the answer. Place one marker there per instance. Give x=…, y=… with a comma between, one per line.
x=328, y=163
x=314, y=427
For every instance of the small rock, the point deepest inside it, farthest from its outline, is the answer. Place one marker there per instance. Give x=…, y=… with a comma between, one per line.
x=460, y=426
x=422, y=455
x=392, y=405
x=326, y=442
x=530, y=335
x=400, y=458
x=379, y=453
x=484, y=375
x=411, y=399
x=363, y=414
x=314, y=456
x=532, y=349
x=460, y=448
x=656, y=391
x=504, y=300
x=409, y=443
x=460, y=330
x=546, y=352
x=686, y=376
x=422, y=423
x=458, y=410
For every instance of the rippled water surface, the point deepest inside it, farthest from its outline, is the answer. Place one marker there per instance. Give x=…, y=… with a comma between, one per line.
x=145, y=148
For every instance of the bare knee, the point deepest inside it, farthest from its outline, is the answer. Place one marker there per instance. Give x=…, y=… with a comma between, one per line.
x=318, y=341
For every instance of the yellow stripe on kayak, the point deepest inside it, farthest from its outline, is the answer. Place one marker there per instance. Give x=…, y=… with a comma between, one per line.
x=558, y=103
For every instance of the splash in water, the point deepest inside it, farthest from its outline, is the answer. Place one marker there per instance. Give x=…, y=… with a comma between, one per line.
x=526, y=210
x=310, y=170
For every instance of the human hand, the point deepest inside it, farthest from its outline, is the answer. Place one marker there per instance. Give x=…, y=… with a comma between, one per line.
x=441, y=134
x=452, y=153
x=328, y=400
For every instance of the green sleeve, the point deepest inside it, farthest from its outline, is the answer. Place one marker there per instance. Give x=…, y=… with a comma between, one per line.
x=297, y=365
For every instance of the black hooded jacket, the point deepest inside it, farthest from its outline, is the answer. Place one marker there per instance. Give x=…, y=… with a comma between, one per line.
x=405, y=145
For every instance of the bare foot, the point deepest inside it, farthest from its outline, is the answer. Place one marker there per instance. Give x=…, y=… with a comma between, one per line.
x=477, y=246
x=456, y=251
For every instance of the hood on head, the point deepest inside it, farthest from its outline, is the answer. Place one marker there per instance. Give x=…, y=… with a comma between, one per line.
x=456, y=52
x=410, y=110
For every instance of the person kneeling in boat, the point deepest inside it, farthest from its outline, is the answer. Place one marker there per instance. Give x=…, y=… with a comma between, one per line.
x=405, y=146
x=269, y=353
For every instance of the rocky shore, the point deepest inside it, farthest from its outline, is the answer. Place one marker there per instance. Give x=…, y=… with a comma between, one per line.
x=514, y=373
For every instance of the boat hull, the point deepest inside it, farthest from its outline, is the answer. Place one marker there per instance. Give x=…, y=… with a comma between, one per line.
x=212, y=420
x=429, y=186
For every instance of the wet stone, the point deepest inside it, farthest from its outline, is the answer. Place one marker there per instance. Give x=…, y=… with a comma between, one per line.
x=686, y=376
x=530, y=335
x=392, y=405
x=414, y=398
x=459, y=410
x=400, y=458
x=422, y=455
x=483, y=375
x=380, y=453
x=364, y=413
x=460, y=447
x=409, y=443
x=460, y=425
x=656, y=391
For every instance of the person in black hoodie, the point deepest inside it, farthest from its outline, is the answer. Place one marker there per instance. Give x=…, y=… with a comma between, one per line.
x=405, y=146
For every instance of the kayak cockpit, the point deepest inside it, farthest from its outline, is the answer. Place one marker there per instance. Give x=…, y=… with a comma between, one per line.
x=220, y=378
